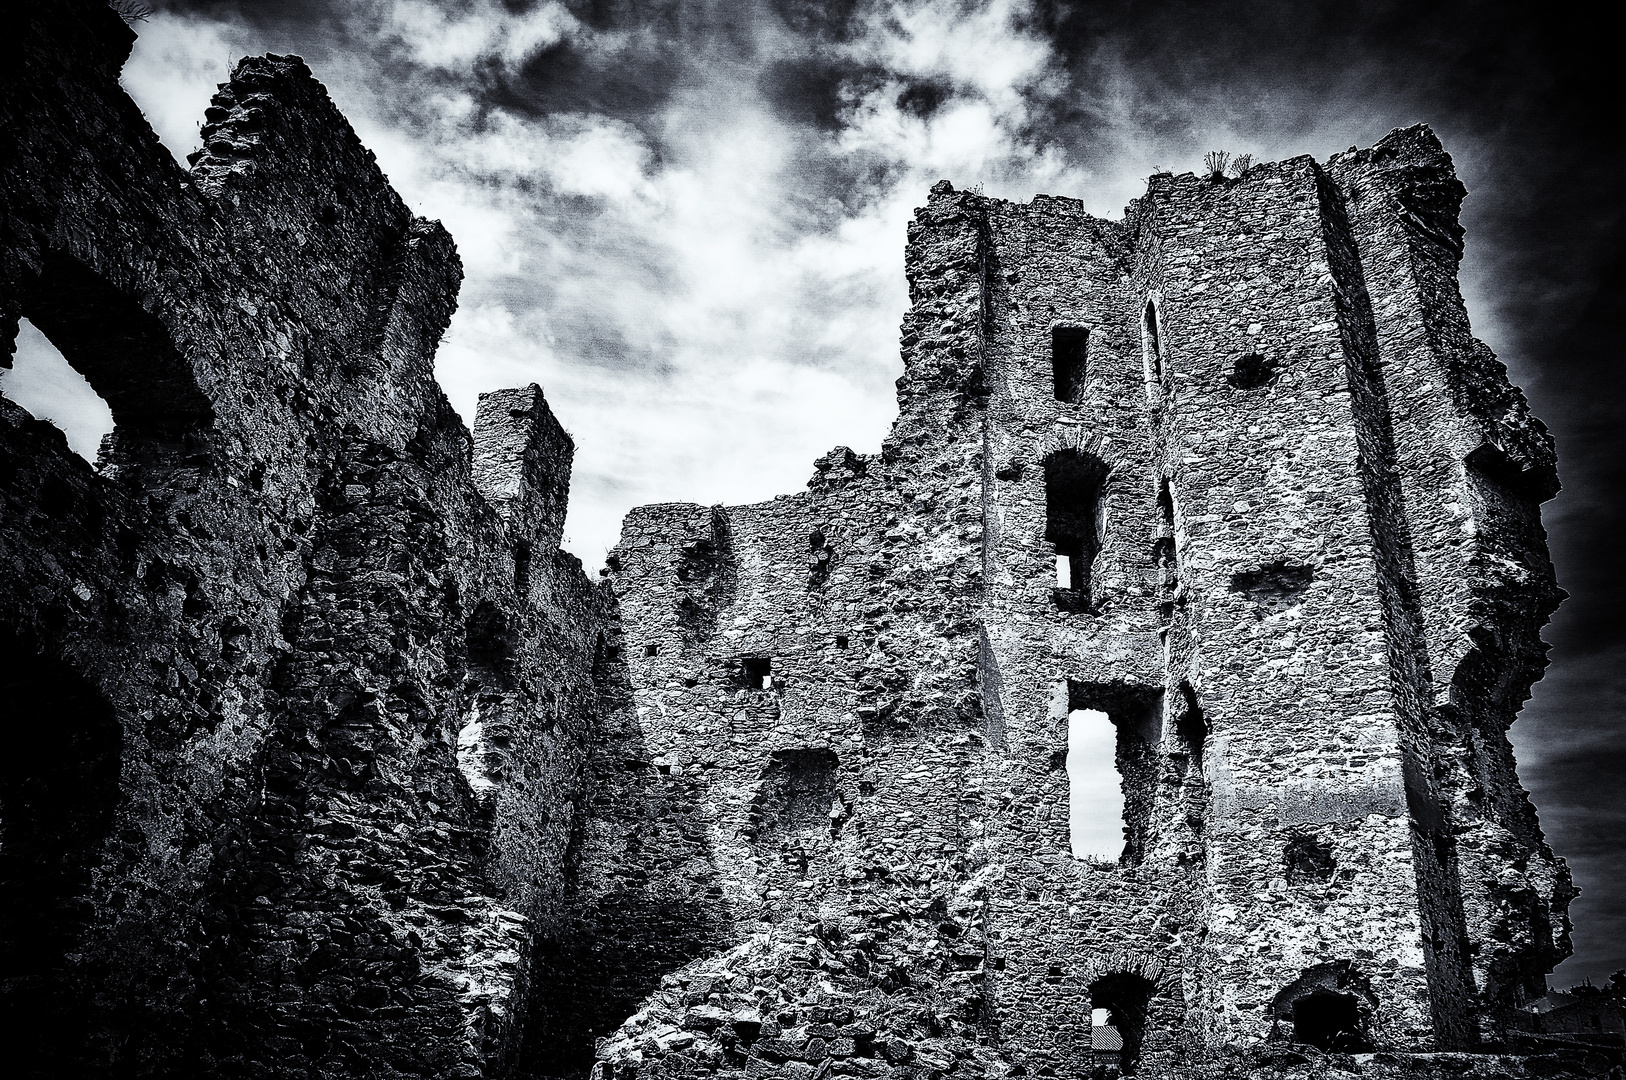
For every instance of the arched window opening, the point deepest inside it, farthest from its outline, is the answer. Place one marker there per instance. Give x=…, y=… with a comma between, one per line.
x=125, y=352
x=1118, y=1005
x=1073, y=484
x=42, y=381
x=1113, y=731
x=1329, y=1020
x=1328, y=1006
x=1152, y=341
x=1069, y=351
x=59, y=787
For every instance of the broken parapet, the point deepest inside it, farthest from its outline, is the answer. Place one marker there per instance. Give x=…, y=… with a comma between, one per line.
x=522, y=462
x=242, y=656
x=1230, y=480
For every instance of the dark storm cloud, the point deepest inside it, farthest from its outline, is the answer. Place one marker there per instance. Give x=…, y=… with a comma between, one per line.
x=923, y=97
x=817, y=90
x=629, y=83
x=686, y=220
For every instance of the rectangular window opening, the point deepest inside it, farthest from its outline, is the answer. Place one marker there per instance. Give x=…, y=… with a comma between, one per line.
x=841, y=641
x=1069, y=349
x=1073, y=522
x=1095, y=800
x=758, y=672
x=1113, y=734
x=651, y=650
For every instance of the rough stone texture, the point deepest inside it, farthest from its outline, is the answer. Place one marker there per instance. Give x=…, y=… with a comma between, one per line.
x=1308, y=577
x=299, y=700
x=326, y=761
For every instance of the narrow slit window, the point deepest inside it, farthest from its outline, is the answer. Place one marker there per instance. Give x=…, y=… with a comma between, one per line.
x=1069, y=350
x=1153, y=342
x=1163, y=550
x=1165, y=508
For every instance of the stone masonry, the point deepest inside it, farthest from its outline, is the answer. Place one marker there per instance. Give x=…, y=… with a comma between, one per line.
x=326, y=761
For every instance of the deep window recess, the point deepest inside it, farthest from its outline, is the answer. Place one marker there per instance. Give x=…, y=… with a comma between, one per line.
x=522, y=566
x=841, y=641
x=42, y=381
x=489, y=682
x=1069, y=351
x=1152, y=337
x=1163, y=551
x=1329, y=1020
x=1253, y=371
x=651, y=650
x=1118, y=1020
x=1309, y=859
x=1275, y=587
x=1073, y=483
x=758, y=672
x=1329, y=1006
x=1113, y=733
x=797, y=798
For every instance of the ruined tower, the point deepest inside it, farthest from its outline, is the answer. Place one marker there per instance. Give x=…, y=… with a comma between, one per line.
x=1231, y=472
x=326, y=761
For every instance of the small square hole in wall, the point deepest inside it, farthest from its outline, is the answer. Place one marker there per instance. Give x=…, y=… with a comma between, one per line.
x=841, y=641
x=1253, y=371
x=758, y=672
x=651, y=650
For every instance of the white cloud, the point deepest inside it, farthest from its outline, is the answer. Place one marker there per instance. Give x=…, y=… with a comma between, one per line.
x=701, y=325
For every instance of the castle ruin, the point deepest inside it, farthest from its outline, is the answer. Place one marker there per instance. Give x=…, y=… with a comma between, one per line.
x=326, y=761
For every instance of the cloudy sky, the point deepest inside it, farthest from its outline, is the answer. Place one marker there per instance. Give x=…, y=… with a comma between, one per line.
x=685, y=219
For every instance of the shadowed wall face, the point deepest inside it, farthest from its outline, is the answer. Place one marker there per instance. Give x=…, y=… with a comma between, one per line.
x=241, y=653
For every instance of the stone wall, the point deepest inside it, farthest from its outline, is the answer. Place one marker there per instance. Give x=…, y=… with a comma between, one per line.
x=327, y=761
x=303, y=686
x=1306, y=584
